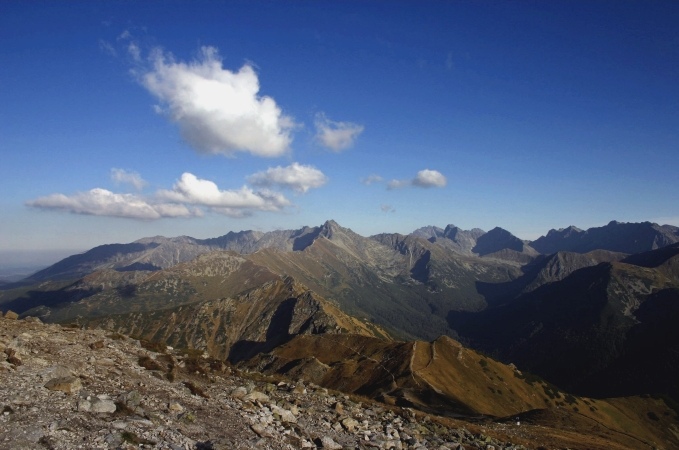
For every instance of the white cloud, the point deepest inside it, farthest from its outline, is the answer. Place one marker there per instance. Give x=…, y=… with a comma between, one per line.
x=218, y=111
x=429, y=178
x=370, y=179
x=387, y=208
x=298, y=177
x=336, y=136
x=397, y=184
x=424, y=179
x=101, y=202
x=193, y=190
x=122, y=176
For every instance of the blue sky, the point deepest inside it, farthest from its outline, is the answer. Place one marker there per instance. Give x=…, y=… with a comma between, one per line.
x=120, y=120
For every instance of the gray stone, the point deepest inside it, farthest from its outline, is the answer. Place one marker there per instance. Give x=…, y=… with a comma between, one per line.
x=102, y=405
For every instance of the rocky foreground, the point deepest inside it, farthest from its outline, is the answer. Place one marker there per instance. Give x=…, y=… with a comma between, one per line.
x=68, y=388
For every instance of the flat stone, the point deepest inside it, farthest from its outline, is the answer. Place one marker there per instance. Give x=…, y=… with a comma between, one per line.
x=69, y=384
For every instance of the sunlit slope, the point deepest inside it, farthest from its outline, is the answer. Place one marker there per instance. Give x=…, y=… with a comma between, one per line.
x=241, y=326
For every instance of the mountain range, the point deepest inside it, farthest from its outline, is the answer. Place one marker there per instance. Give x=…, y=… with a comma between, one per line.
x=449, y=321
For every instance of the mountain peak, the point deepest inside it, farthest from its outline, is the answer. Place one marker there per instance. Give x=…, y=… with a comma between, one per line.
x=495, y=240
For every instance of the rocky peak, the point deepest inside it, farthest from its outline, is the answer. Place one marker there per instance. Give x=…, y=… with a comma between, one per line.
x=496, y=240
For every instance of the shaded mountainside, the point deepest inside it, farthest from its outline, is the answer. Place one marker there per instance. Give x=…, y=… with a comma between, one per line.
x=616, y=237
x=601, y=323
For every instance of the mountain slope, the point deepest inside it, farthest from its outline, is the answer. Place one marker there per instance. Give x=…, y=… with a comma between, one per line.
x=442, y=377
x=594, y=319
x=238, y=328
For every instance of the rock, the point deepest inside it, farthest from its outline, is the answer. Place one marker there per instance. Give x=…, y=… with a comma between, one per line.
x=99, y=405
x=11, y=315
x=285, y=415
x=175, y=407
x=58, y=371
x=261, y=430
x=329, y=443
x=256, y=396
x=131, y=399
x=69, y=384
x=350, y=424
x=84, y=405
x=239, y=392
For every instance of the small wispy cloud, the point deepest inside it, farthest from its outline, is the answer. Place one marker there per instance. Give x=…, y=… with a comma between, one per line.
x=424, y=179
x=387, y=208
x=101, y=202
x=300, y=178
x=107, y=48
x=336, y=136
x=134, y=51
x=370, y=179
x=218, y=111
x=122, y=176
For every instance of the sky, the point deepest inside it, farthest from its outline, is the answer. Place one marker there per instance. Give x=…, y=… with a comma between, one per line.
x=121, y=120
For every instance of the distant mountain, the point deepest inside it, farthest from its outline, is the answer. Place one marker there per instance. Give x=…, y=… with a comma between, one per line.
x=616, y=237
x=452, y=237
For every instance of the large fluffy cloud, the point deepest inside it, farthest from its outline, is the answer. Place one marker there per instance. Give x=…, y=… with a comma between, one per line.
x=101, y=202
x=217, y=110
x=196, y=191
x=336, y=136
x=424, y=179
x=300, y=178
